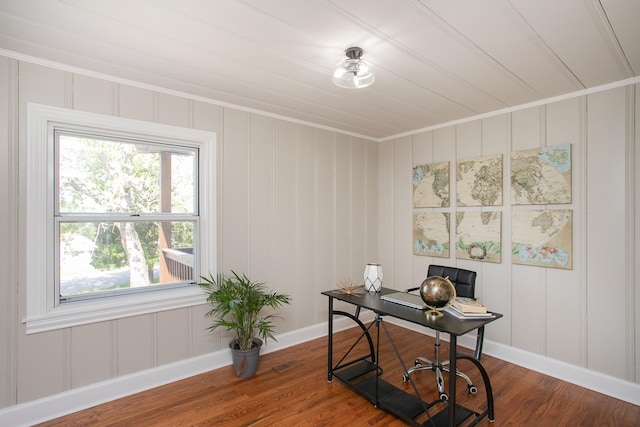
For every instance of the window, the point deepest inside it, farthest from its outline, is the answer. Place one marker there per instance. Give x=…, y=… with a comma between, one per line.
x=120, y=214
x=122, y=208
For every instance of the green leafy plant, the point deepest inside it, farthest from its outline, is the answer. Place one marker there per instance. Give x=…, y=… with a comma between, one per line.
x=237, y=305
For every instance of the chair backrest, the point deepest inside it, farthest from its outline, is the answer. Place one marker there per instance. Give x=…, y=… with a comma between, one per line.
x=463, y=280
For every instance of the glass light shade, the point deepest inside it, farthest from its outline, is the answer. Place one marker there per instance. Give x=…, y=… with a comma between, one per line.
x=373, y=277
x=353, y=74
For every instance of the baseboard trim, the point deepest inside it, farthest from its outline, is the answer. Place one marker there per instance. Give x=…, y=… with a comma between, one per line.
x=50, y=407
x=601, y=383
x=58, y=405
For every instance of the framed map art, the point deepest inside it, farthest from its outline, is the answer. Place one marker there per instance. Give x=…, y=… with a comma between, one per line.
x=431, y=185
x=479, y=236
x=541, y=176
x=431, y=234
x=542, y=238
x=479, y=181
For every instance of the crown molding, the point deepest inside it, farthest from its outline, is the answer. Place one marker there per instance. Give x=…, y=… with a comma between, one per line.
x=160, y=89
x=583, y=92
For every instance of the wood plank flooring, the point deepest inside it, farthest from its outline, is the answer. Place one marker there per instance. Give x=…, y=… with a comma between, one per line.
x=291, y=389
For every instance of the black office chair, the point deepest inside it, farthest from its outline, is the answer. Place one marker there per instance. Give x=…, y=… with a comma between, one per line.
x=465, y=283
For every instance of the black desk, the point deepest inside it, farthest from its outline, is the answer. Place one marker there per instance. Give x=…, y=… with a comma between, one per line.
x=386, y=396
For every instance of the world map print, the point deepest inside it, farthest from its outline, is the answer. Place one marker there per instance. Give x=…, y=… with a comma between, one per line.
x=431, y=234
x=431, y=185
x=542, y=238
x=541, y=176
x=479, y=181
x=479, y=236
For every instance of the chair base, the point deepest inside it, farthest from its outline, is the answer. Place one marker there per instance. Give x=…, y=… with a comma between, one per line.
x=423, y=364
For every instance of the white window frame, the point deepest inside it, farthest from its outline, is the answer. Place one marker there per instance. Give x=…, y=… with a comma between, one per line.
x=42, y=313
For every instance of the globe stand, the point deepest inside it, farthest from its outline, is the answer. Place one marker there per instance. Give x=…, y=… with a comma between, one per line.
x=433, y=312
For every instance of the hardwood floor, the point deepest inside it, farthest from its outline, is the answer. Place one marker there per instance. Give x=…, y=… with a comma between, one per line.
x=291, y=389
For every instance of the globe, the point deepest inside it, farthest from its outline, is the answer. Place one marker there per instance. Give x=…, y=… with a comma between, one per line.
x=437, y=293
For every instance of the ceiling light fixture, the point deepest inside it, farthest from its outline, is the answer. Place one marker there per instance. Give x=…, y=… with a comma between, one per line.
x=353, y=73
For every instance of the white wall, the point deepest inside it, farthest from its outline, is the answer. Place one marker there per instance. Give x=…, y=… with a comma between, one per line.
x=586, y=316
x=301, y=208
x=295, y=210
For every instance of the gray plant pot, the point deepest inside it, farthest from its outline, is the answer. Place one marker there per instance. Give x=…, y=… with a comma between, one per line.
x=245, y=362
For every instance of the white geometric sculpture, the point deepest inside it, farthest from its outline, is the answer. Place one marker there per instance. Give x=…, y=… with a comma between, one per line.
x=373, y=277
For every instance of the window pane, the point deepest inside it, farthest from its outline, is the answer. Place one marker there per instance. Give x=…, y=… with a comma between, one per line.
x=113, y=176
x=109, y=256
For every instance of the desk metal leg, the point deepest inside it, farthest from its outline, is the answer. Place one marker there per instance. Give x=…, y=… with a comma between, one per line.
x=479, y=342
x=487, y=384
x=453, y=356
x=378, y=320
x=452, y=380
x=330, y=343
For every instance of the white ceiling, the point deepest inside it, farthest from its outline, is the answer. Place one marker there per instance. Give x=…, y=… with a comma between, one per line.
x=435, y=61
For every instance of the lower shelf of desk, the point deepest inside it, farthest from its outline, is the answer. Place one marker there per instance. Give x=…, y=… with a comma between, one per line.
x=363, y=379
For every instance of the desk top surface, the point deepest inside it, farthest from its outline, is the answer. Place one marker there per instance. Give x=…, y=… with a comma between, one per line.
x=447, y=323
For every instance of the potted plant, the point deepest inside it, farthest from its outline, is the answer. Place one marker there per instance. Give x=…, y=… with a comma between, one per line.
x=237, y=306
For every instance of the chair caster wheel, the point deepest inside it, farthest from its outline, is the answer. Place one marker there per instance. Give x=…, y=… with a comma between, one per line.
x=405, y=378
x=444, y=397
x=473, y=389
x=417, y=363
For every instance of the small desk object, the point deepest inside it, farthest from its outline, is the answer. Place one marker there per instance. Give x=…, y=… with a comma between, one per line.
x=362, y=374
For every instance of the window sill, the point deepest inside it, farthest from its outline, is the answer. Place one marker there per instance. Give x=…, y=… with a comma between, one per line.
x=117, y=307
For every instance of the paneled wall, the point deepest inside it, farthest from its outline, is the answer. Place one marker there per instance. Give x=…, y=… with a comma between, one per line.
x=586, y=316
x=301, y=208
x=296, y=209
